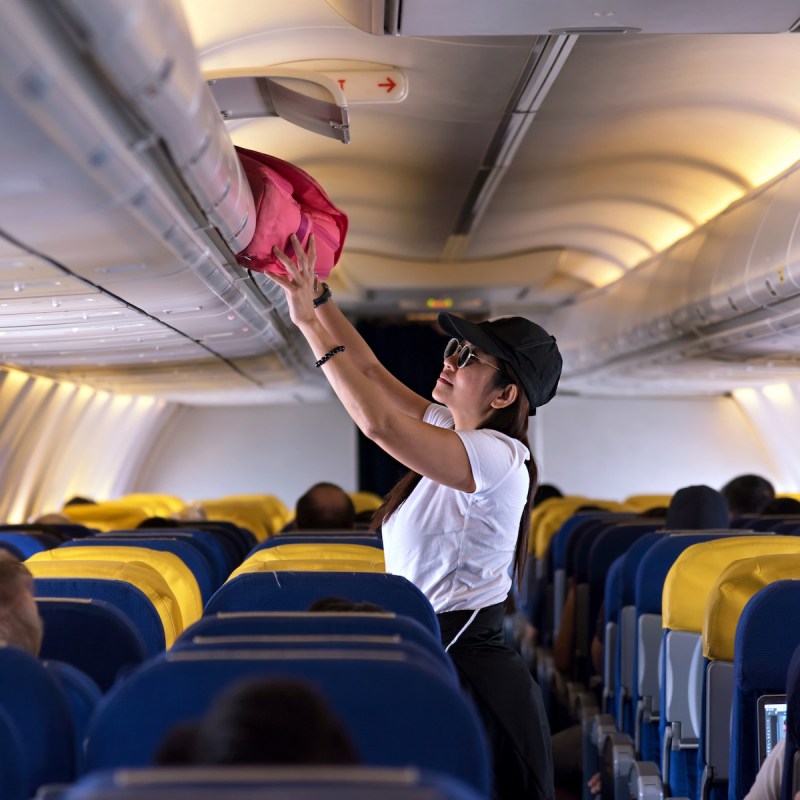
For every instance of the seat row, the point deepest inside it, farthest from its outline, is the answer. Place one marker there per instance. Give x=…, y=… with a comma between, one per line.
x=681, y=638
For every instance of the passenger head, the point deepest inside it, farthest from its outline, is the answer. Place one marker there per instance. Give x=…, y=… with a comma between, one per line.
x=325, y=506
x=260, y=721
x=748, y=494
x=52, y=519
x=159, y=522
x=787, y=506
x=80, y=501
x=20, y=623
x=177, y=748
x=340, y=604
x=696, y=508
x=545, y=491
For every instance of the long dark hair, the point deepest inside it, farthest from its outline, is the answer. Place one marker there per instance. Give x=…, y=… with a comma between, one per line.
x=512, y=421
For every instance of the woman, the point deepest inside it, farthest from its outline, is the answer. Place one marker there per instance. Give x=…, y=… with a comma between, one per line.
x=457, y=524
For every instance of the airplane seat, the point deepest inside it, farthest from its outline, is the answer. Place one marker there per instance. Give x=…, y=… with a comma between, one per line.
x=790, y=782
x=176, y=574
x=689, y=585
x=242, y=538
x=314, y=623
x=791, y=528
x=40, y=712
x=296, y=591
x=307, y=782
x=136, y=589
x=84, y=696
x=72, y=629
x=188, y=554
x=643, y=687
x=593, y=564
x=319, y=537
x=338, y=642
x=20, y=545
x=419, y=719
x=13, y=777
x=314, y=551
x=612, y=598
x=215, y=553
x=766, y=636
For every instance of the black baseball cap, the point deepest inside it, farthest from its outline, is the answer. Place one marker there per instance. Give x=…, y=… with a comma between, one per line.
x=528, y=347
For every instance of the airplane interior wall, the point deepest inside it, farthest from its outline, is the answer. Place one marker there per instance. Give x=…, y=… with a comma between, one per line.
x=612, y=448
x=281, y=449
x=58, y=440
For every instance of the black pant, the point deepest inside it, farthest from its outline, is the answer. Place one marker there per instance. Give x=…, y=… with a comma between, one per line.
x=509, y=701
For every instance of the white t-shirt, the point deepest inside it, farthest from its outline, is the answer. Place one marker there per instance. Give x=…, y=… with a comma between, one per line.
x=457, y=547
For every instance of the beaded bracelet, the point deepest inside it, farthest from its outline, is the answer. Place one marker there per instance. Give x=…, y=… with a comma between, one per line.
x=330, y=354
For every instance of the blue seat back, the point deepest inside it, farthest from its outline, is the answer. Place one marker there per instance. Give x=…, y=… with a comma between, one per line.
x=766, y=636
x=74, y=627
x=40, y=713
x=132, y=602
x=183, y=549
x=398, y=713
x=13, y=777
x=296, y=591
x=212, y=549
x=20, y=545
x=314, y=623
x=306, y=782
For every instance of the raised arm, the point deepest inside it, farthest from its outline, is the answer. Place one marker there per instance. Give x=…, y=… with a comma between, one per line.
x=436, y=453
x=364, y=360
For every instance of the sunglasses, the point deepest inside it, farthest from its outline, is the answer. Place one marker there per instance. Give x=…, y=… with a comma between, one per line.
x=463, y=353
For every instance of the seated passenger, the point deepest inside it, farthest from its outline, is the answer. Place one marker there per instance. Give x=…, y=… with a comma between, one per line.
x=341, y=605
x=544, y=491
x=767, y=785
x=784, y=506
x=325, y=506
x=748, y=494
x=696, y=508
x=262, y=721
x=20, y=623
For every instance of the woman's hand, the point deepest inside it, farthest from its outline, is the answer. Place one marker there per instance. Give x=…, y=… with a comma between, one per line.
x=300, y=286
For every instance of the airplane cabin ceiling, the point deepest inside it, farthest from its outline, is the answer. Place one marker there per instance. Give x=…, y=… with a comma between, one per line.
x=523, y=173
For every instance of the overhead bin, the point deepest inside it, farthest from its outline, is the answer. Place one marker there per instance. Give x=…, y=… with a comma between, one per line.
x=732, y=282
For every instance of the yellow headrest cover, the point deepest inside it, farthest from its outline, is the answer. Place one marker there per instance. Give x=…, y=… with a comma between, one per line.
x=730, y=594
x=696, y=570
x=174, y=571
x=643, y=502
x=366, y=501
x=156, y=505
x=274, y=508
x=320, y=552
x=250, y=514
x=140, y=575
x=110, y=516
x=309, y=565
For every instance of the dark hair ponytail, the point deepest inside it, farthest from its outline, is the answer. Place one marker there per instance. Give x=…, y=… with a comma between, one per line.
x=512, y=421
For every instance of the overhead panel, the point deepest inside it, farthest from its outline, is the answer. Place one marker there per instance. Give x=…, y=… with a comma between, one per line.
x=514, y=17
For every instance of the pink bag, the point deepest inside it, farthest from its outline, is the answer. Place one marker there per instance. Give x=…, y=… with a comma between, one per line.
x=288, y=200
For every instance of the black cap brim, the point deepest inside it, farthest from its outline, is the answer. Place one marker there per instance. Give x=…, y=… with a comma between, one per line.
x=472, y=332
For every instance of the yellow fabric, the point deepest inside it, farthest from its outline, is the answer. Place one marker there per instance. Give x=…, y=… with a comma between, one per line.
x=247, y=513
x=735, y=586
x=643, y=502
x=156, y=505
x=321, y=552
x=366, y=501
x=113, y=515
x=140, y=575
x=274, y=508
x=174, y=571
x=309, y=565
x=694, y=573
x=550, y=515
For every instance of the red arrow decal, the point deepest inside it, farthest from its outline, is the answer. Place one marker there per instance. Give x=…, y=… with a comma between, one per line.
x=341, y=83
x=390, y=84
